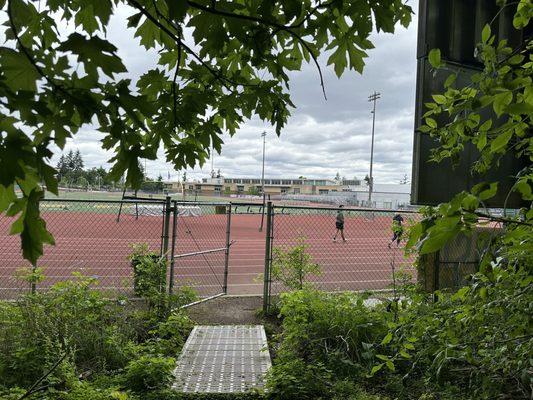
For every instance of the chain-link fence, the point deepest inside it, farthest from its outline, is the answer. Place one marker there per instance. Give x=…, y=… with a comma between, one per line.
x=93, y=238
x=361, y=256
x=229, y=248
x=201, y=234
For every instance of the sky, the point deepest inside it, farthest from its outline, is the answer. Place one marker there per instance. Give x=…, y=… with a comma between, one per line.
x=321, y=137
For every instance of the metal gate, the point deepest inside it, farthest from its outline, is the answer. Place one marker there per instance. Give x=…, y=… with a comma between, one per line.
x=200, y=247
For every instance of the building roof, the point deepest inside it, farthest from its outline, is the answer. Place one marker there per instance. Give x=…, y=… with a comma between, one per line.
x=384, y=188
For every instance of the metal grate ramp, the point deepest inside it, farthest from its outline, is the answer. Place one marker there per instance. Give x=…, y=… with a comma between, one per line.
x=223, y=359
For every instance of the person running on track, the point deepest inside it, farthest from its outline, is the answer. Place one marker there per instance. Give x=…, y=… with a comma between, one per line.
x=397, y=230
x=339, y=224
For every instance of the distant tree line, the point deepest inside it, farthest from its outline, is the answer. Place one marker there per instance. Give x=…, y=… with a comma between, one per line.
x=72, y=174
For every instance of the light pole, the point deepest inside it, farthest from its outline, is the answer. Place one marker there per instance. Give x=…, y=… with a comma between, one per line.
x=263, y=135
x=373, y=98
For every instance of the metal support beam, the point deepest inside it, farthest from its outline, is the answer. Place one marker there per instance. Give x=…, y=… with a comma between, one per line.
x=228, y=244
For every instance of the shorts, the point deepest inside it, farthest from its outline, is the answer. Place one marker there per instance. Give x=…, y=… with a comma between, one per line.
x=339, y=225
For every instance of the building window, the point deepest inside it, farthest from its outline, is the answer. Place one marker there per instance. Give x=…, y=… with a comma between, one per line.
x=296, y=190
x=387, y=204
x=228, y=180
x=218, y=188
x=276, y=182
x=191, y=187
x=323, y=191
x=286, y=182
x=240, y=188
x=256, y=181
x=246, y=181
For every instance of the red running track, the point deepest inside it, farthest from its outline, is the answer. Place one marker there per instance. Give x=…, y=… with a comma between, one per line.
x=96, y=245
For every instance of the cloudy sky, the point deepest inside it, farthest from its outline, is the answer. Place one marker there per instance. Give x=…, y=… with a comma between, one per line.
x=322, y=137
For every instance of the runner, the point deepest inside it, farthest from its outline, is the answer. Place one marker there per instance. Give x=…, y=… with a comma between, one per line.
x=339, y=224
x=397, y=229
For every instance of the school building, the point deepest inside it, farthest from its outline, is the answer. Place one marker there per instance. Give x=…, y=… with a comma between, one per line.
x=273, y=186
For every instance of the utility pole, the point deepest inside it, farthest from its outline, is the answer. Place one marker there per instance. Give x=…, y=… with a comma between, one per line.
x=373, y=98
x=263, y=135
x=212, y=162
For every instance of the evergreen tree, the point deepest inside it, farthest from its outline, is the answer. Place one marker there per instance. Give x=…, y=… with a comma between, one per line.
x=62, y=168
x=77, y=163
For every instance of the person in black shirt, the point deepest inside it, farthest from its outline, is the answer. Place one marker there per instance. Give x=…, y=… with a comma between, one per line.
x=339, y=224
x=397, y=230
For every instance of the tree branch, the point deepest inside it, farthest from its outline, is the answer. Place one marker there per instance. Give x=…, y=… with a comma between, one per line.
x=171, y=34
x=311, y=13
x=279, y=27
x=32, y=389
x=501, y=219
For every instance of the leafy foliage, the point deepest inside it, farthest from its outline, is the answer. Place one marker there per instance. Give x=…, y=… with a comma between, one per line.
x=291, y=267
x=218, y=64
x=492, y=113
x=149, y=282
x=335, y=333
x=95, y=339
x=149, y=373
x=473, y=344
x=37, y=329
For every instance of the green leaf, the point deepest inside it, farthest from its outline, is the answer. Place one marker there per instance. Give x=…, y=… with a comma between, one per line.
x=390, y=365
x=382, y=357
x=501, y=101
x=520, y=108
x=20, y=73
x=34, y=233
x=485, y=33
x=93, y=53
x=525, y=189
x=435, y=58
x=439, y=98
x=7, y=196
x=438, y=235
x=387, y=339
x=490, y=192
x=431, y=123
x=501, y=140
x=450, y=80
x=376, y=368
x=177, y=9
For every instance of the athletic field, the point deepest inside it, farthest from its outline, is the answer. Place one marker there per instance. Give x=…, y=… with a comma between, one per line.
x=89, y=240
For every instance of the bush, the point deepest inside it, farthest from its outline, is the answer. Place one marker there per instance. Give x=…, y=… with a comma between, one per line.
x=38, y=329
x=472, y=344
x=85, y=391
x=291, y=267
x=149, y=373
x=149, y=271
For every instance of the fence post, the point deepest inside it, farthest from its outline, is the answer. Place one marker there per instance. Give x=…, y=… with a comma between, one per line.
x=173, y=246
x=228, y=243
x=436, y=276
x=33, y=284
x=268, y=259
x=164, y=253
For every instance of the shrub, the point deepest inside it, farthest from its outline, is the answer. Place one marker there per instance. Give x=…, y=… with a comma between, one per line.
x=149, y=271
x=291, y=267
x=149, y=373
x=478, y=339
x=296, y=379
x=38, y=328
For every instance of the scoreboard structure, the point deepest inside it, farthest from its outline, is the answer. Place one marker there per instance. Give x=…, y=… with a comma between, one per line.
x=454, y=27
